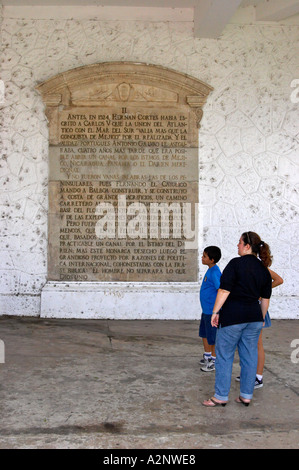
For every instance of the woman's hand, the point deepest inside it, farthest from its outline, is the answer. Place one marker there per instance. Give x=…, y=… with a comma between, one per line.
x=215, y=319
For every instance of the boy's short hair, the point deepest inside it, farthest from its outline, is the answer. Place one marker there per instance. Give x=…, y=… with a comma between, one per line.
x=213, y=252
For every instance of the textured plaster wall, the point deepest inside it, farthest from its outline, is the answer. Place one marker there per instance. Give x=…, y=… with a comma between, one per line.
x=248, y=143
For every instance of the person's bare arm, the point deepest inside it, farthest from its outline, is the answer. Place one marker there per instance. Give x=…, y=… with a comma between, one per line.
x=264, y=306
x=220, y=299
x=276, y=279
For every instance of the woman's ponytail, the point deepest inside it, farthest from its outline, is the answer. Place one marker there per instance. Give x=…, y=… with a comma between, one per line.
x=259, y=247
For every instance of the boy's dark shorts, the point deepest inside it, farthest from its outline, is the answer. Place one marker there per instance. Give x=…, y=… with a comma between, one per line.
x=206, y=330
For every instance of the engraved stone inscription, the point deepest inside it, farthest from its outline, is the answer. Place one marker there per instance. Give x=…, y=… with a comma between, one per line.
x=123, y=182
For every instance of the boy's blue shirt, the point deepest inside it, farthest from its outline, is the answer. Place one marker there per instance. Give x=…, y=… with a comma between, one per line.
x=208, y=290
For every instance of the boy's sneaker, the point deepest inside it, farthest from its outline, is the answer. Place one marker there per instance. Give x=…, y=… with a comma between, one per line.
x=204, y=360
x=258, y=383
x=209, y=367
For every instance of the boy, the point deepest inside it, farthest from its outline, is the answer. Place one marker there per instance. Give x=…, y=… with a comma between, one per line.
x=208, y=292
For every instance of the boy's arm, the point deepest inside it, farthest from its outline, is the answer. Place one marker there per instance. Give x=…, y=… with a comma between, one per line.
x=216, y=279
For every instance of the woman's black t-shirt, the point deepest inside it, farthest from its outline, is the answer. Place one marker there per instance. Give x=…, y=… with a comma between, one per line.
x=247, y=279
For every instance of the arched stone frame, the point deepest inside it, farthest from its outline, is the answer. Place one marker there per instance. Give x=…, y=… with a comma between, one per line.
x=85, y=86
x=121, y=85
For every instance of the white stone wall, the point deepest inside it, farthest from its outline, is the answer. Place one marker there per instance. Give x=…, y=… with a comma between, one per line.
x=248, y=143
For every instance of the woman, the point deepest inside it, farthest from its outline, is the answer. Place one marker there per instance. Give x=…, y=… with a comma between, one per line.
x=239, y=317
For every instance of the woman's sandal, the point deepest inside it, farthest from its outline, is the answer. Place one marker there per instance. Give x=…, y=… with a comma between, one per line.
x=211, y=403
x=241, y=400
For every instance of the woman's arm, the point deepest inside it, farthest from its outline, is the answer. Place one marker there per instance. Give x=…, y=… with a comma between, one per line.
x=276, y=279
x=264, y=306
x=220, y=299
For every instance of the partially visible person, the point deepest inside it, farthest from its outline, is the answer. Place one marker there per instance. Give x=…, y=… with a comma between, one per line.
x=276, y=281
x=239, y=316
x=208, y=292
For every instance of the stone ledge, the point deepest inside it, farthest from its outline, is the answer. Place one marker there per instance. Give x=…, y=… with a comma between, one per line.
x=121, y=300
x=94, y=286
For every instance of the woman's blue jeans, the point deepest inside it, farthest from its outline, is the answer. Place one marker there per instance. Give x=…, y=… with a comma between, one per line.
x=243, y=336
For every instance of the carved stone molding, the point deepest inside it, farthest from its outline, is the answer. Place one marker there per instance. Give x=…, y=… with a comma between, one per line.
x=100, y=84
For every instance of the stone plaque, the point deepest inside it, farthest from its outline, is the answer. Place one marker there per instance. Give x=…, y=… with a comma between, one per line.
x=123, y=173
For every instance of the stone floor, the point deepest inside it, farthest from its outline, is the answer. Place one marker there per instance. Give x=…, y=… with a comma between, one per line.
x=110, y=384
